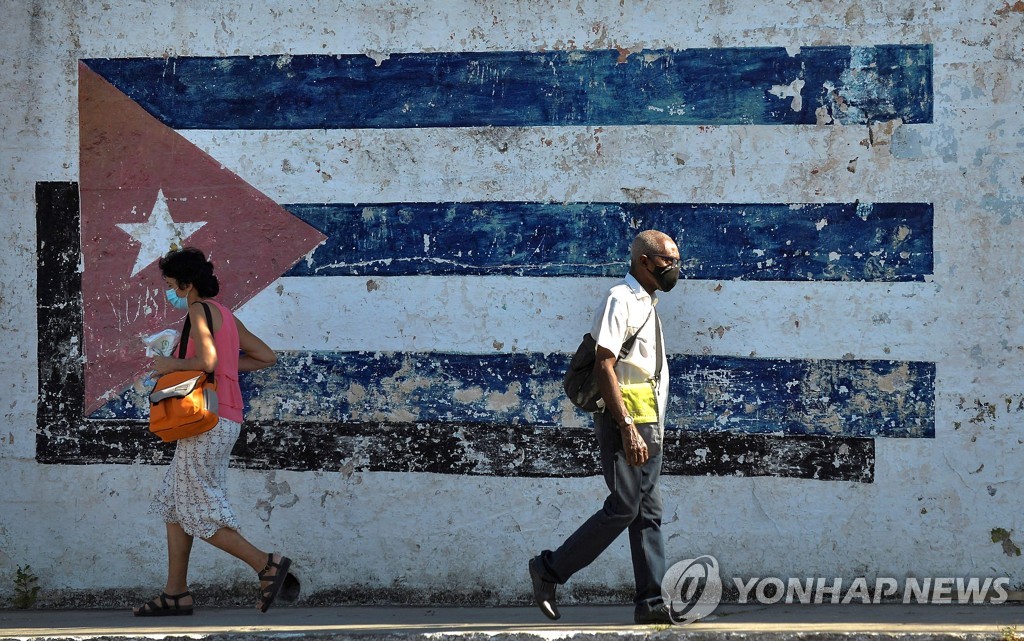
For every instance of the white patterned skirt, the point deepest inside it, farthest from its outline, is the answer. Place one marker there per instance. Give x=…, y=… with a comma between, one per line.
x=194, y=491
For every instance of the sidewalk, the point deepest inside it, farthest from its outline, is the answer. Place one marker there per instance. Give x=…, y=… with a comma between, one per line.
x=593, y=623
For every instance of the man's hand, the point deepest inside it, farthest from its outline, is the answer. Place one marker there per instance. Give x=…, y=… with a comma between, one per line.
x=633, y=444
x=608, y=382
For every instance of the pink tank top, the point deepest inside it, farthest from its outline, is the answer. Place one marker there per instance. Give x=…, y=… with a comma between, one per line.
x=225, y=340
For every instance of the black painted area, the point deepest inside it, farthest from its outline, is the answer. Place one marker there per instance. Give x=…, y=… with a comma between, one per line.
x=58, y=315
x=489, y=450
x=62, y=434
x=476, y=450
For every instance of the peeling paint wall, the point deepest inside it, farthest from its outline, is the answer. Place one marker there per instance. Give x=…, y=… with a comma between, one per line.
x=844, y=181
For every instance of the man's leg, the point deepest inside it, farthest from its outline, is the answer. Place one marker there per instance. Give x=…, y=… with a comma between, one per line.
x=646, y=543
x=620, y=509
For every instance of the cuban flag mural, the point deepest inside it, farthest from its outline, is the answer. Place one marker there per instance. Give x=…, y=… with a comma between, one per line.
x=430, y=333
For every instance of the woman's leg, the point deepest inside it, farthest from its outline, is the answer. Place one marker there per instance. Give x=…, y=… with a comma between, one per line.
x=179, y=549
x=232, y=542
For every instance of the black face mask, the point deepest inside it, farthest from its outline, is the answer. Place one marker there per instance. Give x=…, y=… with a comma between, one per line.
x=667, y=277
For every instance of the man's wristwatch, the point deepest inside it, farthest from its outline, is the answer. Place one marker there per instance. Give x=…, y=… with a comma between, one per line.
x=627, y=421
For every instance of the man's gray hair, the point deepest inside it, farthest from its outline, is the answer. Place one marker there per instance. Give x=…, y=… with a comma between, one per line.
x=647, y=243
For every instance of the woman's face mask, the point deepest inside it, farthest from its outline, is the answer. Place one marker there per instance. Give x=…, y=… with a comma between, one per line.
x=176, y=301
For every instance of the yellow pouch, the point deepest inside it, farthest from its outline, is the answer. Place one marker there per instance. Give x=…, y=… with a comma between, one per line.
x=641, y=402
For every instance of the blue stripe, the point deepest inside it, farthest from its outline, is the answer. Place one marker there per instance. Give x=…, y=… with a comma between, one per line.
x=726, y=86
x=885, y=242
x=842, y=398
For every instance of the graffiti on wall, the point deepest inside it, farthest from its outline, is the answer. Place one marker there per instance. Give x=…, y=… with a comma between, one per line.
x=144, y=185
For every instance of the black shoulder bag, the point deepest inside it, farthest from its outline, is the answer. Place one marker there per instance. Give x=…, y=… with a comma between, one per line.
x=579, y=383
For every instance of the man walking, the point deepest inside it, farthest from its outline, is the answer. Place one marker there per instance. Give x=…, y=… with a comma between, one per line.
x=636, y=383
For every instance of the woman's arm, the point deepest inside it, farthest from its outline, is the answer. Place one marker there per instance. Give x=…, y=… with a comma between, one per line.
x=201, y=334
x=256, y=353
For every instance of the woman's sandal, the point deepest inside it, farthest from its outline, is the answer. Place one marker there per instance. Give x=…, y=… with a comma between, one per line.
x=269, y=593
x=159, y=606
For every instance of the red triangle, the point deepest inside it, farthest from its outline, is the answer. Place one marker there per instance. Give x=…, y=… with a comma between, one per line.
x=127, y=156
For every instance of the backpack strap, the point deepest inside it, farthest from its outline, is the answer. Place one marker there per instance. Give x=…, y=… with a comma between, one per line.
x=187, y=328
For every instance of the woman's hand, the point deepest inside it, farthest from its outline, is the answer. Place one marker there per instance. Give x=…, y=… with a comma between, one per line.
x=165, y=365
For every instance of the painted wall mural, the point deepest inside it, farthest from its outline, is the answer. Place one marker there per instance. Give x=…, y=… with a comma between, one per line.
x=433, y=406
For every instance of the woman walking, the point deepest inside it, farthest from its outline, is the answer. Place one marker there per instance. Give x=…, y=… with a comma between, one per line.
x=193, y=500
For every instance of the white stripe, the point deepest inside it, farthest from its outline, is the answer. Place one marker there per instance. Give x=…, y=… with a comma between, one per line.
x=490, y=314
x=780, y=164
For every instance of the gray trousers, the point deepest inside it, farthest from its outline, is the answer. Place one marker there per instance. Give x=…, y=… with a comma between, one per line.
x=634, y=503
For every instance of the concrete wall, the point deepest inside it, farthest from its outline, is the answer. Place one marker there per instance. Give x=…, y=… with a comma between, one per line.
x=846, y=347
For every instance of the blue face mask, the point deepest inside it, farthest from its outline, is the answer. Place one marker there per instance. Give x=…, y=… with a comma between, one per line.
x=176, y=301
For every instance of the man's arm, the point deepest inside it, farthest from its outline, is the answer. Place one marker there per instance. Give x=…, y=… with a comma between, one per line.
x=608, y=382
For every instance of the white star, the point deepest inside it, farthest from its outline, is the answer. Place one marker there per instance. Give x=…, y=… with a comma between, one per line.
x=159, y=235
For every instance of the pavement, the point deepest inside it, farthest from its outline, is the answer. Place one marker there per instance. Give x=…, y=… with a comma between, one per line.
x=732, y=622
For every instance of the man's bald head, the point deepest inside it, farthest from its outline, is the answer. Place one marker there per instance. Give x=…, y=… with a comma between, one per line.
x=649, y=243
x=653, y=252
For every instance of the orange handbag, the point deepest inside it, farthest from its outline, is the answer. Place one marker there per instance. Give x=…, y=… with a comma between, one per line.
x=184, y=403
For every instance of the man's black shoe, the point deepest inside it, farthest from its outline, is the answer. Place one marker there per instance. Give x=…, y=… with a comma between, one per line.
x=657, y=614
x=543, y=591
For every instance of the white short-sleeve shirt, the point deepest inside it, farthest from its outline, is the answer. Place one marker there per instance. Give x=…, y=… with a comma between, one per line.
x=619, y=316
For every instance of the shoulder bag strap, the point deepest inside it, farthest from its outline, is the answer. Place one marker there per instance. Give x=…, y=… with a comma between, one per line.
x=187, y=328
x=657, y=348
x=628, y=345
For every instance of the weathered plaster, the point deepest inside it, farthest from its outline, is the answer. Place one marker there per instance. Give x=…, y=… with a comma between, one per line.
x=947, y=505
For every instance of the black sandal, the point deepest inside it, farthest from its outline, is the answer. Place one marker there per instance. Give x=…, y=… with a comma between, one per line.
x=162, y=608
x=269, y=593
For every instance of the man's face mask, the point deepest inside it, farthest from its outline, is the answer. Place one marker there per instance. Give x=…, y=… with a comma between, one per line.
x=667, y=276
